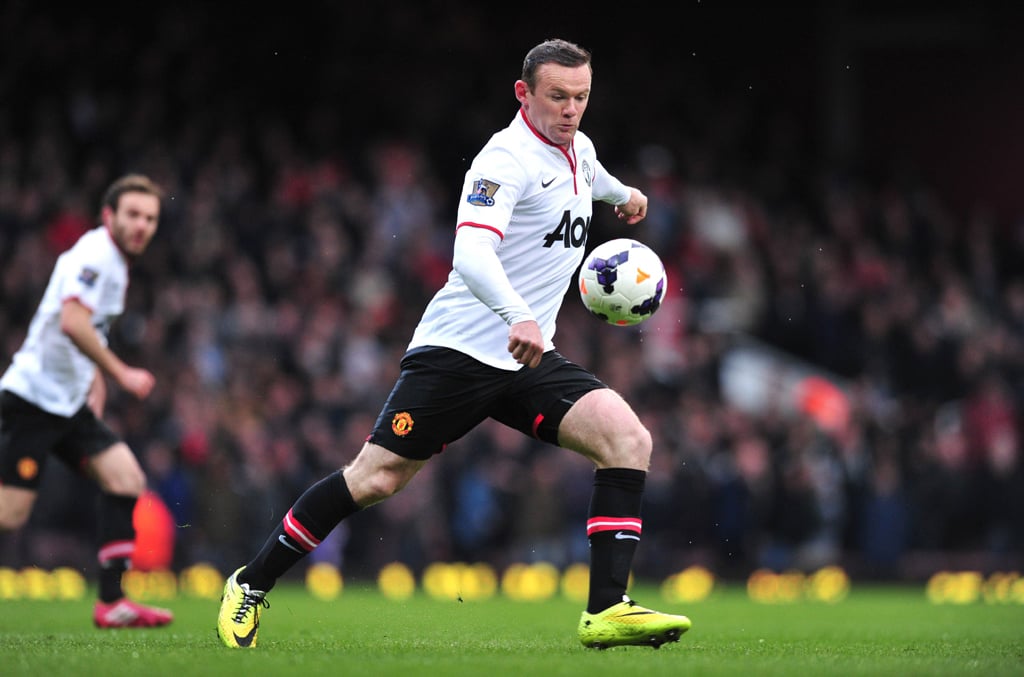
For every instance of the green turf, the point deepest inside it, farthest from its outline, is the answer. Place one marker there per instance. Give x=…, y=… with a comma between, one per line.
x=872, y=632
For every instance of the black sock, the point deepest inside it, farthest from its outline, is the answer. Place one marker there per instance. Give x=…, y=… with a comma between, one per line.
x=117, y=543
x=110, y=580
x=614, y=531
x=310, y=519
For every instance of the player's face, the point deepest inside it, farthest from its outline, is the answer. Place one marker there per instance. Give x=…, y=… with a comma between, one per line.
x=134, y=223
x=556, y=104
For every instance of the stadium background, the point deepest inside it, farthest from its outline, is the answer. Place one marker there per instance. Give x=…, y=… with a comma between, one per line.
x=834, y=189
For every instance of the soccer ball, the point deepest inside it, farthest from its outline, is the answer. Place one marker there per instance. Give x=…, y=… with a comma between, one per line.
x=623, y=282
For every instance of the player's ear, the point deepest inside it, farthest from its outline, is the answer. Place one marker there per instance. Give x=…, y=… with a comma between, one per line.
x=107, y=216
x=521, y=90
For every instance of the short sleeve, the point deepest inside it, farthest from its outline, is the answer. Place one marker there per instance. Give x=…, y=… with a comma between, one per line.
x=491, y=189
x=82, y=275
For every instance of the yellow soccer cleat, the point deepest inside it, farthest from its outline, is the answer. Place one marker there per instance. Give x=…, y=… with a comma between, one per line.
x=239, y=617
x=628, y=624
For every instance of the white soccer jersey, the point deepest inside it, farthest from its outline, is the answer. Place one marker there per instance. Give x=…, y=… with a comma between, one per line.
x=48, y=370
x=538, y=198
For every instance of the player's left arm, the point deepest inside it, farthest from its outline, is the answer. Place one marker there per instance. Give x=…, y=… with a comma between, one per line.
x=633, y=210
x=76, y=323
x=630, y=203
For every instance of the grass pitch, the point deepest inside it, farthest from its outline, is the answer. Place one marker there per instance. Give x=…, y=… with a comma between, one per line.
x=872, y=632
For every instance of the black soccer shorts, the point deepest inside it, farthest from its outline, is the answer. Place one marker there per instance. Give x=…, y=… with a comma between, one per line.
x=442, y=394
x=28, y=434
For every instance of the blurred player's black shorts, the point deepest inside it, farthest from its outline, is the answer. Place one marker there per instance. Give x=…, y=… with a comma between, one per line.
x=29, y=434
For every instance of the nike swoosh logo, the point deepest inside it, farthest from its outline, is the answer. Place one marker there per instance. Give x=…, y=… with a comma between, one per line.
x=544, y=184
x=247, y=639
x=284, y=541
x=620, y=536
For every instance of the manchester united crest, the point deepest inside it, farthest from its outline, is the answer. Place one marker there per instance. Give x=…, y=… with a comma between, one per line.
x=588, y=173
x=27, y=468
x=401, y=424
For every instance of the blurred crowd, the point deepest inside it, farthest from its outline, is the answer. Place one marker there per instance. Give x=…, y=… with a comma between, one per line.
x=298, y=247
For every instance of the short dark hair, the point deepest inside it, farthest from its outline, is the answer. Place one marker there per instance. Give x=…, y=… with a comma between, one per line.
x=131, y=183
x=561, y=52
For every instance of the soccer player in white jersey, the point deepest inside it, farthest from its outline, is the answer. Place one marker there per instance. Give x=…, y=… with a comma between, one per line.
x=53, y=393
x=484, y=349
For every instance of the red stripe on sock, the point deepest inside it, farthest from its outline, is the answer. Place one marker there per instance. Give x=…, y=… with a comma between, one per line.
x=598, y=524
x=116, y=550
x=299, y=533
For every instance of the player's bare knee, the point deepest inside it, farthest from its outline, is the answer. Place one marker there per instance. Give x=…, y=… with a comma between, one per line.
x=376, y=474
x=383, y=484
x=626, y=447
x=118, y=472
x=370, y=487
x=634, y=447
x=10, y=522
x=127, y=482
x=13, y=517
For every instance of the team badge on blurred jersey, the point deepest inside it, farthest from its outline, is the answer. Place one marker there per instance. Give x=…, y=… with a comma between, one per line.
x=28, y=468
x=88, y=276
x=588, y=173
x=483, y=193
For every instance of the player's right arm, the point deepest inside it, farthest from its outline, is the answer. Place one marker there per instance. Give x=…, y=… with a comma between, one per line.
x=476, y=260
x=491, y=190
x=76, y=323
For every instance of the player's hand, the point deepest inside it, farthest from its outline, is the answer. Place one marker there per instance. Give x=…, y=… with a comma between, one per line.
x=138, y=382
x=635, y=210
x=526, y=343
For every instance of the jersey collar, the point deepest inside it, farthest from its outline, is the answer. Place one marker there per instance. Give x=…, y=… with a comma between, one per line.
x=570, y=154
x=544, y=139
